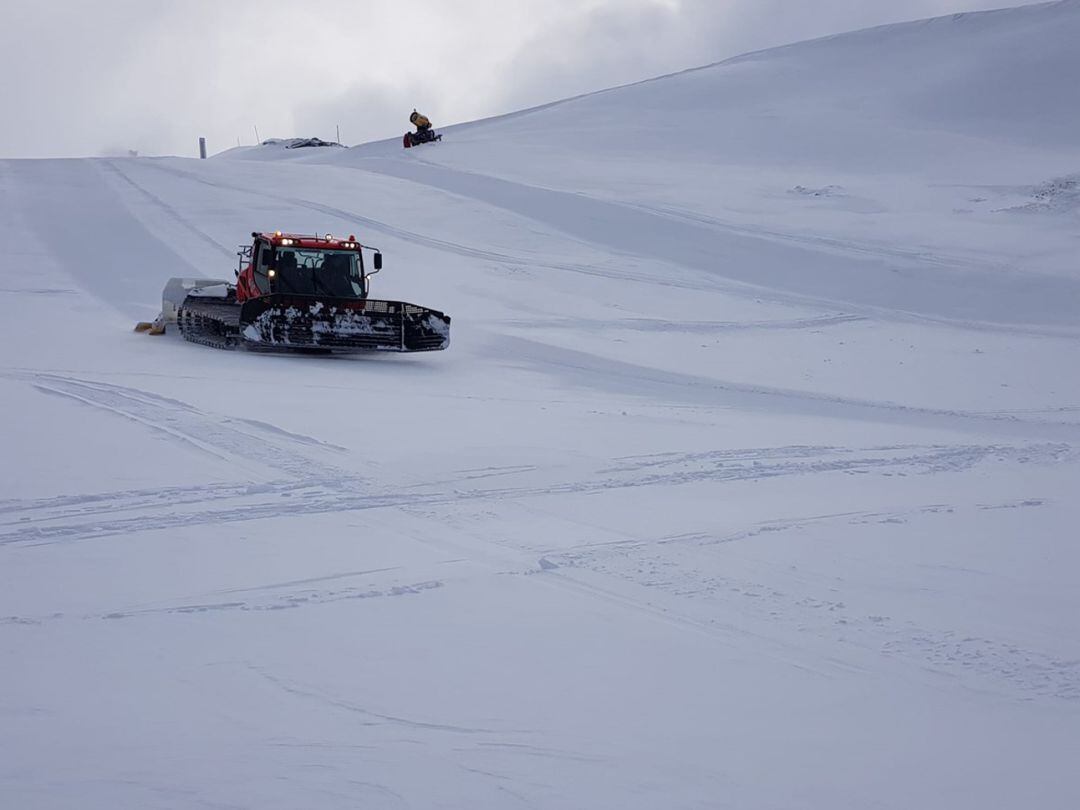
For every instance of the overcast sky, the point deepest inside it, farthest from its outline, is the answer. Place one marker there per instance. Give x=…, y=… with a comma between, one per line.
x=108, y=76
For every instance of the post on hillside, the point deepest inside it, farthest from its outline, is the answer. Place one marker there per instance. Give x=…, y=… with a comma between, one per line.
x=202, y=148
x=338, y=129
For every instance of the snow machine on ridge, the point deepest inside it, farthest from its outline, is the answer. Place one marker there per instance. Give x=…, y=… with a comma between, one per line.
x=412, y=139
x=298, y=292
x=424, y=133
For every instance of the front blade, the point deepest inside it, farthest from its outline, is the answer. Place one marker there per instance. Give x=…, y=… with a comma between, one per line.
x=342, y=324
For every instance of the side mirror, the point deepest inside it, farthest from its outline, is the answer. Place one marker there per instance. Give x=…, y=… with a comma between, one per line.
x=378, y=262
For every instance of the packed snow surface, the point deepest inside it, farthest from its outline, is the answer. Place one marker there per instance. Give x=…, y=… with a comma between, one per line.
x=749, y=479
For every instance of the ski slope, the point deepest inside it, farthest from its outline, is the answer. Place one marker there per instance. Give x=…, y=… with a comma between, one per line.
x=748, y=479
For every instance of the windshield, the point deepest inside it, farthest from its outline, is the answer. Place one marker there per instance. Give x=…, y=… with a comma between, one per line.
x=304, y=271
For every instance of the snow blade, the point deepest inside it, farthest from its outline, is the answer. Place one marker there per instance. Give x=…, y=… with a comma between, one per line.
x=173, y=297
x=342, y=324
x=155, y=327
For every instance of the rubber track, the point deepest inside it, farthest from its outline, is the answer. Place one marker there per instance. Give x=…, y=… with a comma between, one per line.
x=211, y=323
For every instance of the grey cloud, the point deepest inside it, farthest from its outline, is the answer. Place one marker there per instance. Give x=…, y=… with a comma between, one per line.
x=154, y=75
x=621, y=43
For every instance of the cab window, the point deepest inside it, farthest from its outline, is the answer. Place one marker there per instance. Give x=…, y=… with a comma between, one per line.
x=260, y=265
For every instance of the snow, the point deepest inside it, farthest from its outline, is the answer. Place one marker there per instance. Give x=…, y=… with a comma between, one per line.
x=748, y=479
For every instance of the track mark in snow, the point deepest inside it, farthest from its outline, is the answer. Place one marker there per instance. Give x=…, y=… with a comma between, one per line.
x=66, y=507
x=600, y=325
x=310, y=580
x=303, y=597
x=716, y=629
x=223, y=437
x=113, y=167
x=1030, y=672
x=296, y=437
x=538, y=751
x=291, y=468
x=663, y=279
x=77, y=193
x=374, y=718
x=112, y=515
x=492, y=472
x=681, y=575
x=1029, y=502
x=78, y=397
x=582, y=369
x=825, y=243
x=38, y=291
x=771, y=462
x=913, y=289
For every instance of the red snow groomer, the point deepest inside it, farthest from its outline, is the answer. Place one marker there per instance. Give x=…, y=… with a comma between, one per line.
x=298, y=292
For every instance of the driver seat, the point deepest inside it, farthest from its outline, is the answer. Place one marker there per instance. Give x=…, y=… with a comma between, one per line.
x=288, y=275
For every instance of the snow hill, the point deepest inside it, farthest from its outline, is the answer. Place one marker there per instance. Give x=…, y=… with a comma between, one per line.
x=748, y=479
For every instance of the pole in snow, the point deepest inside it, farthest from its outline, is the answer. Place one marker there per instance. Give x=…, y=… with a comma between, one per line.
x=202, y=148
x=338, y=128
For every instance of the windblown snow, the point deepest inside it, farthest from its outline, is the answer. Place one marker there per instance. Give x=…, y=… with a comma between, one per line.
x=749, y=479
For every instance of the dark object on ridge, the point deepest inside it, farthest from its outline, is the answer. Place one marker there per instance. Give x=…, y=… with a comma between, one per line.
x=424, y=133
x=300, y=143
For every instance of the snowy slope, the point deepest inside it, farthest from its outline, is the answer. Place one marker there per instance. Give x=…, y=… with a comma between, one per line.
x=748, y=479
